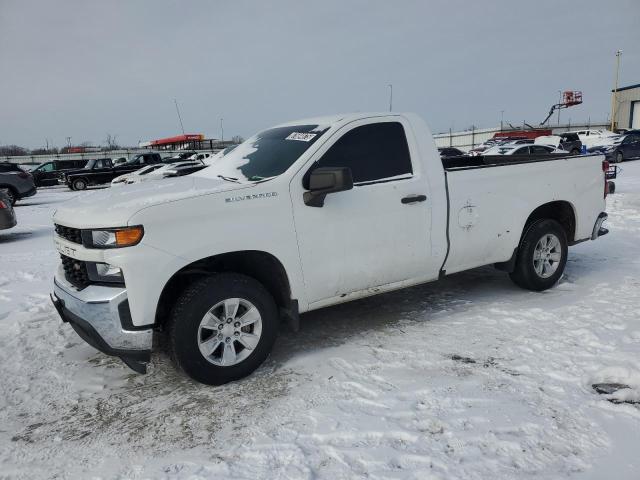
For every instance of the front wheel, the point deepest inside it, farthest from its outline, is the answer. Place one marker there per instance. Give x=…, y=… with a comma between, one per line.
x=79, y=184
x=222, y=328
x=542, y=256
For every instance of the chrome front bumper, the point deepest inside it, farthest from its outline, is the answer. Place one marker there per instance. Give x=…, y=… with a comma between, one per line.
x=97, y=314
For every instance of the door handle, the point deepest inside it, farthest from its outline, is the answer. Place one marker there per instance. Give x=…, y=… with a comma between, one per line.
x=414, y=199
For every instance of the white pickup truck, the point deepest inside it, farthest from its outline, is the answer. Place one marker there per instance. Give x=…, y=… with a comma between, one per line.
x=301, y=216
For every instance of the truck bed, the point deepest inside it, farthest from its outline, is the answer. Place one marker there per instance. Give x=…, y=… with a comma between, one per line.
x=482, y=161
x=488, y=207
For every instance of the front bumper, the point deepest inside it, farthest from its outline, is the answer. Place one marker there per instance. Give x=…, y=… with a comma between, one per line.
x=97, y=314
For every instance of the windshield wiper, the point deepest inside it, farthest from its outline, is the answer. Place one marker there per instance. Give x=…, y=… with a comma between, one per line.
x=229, y=179
x=259, y=179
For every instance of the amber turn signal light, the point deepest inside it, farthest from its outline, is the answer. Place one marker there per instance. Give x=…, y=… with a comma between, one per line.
x=129, y=236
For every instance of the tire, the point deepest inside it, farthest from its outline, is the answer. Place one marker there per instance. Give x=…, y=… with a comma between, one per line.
x=193, y=329
x=538, y=275
x=619, y=157
x=79, y=184
x=575, y=151
x=611, y=186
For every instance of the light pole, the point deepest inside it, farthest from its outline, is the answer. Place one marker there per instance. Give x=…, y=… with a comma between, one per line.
x=69, y=142
x=179, y=117
x=614, y=98
x=222, y=129
x=559, y=103
x=501, y=119
x=390, y=96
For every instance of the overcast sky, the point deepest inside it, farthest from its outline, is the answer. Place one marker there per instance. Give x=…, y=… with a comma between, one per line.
x=87, y=68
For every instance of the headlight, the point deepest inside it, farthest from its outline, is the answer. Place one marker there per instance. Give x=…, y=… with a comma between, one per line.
x=103, y=272
x=113, y=237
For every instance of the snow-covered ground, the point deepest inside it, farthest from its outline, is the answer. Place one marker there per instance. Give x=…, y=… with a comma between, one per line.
x=469, y=378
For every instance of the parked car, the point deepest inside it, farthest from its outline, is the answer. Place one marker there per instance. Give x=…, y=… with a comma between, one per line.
x=175, y=169
x=495, y=141
x=16, y=183
x=523, y=150
x=124, y=178
x=450, y=152
x=101, y=171
x=569, y=142
x=591, y=137
x=176, y=157
x=120, y=161
x=621, y=148
x=48, y=173
x=200, y=156
x=299, y=217
x=7, y=214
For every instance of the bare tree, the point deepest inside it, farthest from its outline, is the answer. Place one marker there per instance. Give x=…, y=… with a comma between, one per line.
x=111, y=142
x=12, y=150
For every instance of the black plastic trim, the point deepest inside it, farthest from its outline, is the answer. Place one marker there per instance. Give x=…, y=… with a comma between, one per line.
x=443, y=272
x=124, y=312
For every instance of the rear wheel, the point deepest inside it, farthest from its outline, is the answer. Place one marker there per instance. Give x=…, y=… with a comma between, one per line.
x=222, y=328
x=542, y=256
x=575, y=151
x=79, y=184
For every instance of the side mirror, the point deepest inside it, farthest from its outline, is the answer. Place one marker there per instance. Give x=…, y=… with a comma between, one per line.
x=323, y=181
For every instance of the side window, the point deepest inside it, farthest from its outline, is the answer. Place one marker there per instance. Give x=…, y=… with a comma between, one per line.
x=522, y=151
x=540, y=149
x=373, y=152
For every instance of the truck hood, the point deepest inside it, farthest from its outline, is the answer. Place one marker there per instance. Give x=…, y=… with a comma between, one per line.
x=113, y=207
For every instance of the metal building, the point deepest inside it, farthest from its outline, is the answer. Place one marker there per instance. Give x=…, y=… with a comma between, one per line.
x=627, y=112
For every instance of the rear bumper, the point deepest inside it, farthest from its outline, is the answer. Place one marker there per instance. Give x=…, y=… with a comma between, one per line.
x=96, y=314
x=29, y=193
x=598, y=229
x=7, y=219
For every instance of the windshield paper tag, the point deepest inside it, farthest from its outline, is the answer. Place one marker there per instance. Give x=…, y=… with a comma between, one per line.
x=302, y=137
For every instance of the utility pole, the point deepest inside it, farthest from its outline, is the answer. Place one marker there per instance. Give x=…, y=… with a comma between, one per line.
x=222, y=129
x=559, y=102
x=69, y=142
x=501, y=118
x=179, y=117
x=390, y=96
x=614, y=97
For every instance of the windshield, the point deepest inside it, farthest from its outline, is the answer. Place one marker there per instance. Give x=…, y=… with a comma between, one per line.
x=267, y=154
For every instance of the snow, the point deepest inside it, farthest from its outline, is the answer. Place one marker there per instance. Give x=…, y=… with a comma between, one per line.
x=468, y=378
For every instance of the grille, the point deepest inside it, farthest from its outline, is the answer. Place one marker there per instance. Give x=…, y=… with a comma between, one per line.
x=75, y=271
x=72, y=234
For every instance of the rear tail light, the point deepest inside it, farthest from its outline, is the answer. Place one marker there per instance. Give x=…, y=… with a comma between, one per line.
x=605, y=169
x=3, y=205
x=24, y=175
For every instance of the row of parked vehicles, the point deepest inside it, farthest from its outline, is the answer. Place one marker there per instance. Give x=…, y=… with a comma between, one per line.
x=615, y=147
x=17, y=183
x=80, y=174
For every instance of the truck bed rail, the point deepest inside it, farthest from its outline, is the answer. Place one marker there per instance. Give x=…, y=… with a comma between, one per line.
x=485, y=161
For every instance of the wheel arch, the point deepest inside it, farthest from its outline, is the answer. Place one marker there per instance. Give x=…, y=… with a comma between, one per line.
x=262, y=266
x=561, y=211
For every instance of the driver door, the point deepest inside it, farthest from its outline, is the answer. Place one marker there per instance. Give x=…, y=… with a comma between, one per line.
x=375, y=234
